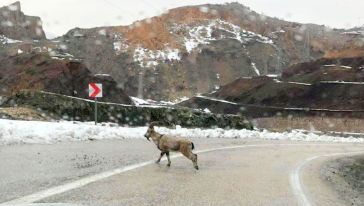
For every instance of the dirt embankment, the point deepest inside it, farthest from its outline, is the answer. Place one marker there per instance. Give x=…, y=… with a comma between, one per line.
x=23, y=113
x=311, y=123
x=346, y=176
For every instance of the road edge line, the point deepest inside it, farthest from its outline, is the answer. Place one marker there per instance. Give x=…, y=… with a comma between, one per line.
x=295, y=177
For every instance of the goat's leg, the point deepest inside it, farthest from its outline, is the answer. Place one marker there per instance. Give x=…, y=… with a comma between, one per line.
x=191, y=156
x=169, y=161
x=160, y=157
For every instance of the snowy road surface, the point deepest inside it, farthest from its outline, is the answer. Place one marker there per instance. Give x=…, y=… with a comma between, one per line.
x=255, y=172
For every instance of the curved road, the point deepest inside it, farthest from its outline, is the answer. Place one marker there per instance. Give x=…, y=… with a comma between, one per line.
x=232, y=172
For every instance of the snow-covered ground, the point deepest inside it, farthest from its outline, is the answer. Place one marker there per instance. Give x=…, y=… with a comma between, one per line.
x=18, y=132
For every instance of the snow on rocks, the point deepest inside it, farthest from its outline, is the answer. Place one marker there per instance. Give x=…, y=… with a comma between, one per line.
x=341, y=66
x=33, y=132
x=150, y=102
x=341, y=82
x=255, y=68
x=62, y=55
x=138, y=101
x=192, y=37
x=206, y=110
x=102, y=75
x=216, y=100
x=216, y=30
x=120, y=44
x=279, y=32
x=6, y=40
x=289, y=82
x=149, y=58
x=120, y=47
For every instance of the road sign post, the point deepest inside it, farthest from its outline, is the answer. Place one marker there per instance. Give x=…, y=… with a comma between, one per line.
x=95, y=91
x=95, y=110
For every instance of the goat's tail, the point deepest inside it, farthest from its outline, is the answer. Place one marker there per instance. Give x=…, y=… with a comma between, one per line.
x=193, y=146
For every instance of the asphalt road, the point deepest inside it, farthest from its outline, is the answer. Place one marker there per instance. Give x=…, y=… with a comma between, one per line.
x=232, y=172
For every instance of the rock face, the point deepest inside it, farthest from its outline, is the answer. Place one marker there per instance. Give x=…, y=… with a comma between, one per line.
x=328, y=84
x=42, y=72
x=16, y=25
x=196, y=49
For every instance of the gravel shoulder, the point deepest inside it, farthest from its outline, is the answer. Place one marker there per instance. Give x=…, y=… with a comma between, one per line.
x=346, y=176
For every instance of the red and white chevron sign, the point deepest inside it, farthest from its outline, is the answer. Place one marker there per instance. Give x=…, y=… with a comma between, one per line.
x=95, y=90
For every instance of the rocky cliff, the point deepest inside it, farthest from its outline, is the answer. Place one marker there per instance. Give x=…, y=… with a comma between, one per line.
x=16, y=25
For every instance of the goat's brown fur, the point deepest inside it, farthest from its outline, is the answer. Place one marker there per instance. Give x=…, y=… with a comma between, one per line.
x=167, y=144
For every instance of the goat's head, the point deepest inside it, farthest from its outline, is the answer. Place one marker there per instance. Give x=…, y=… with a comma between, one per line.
x=150, y=131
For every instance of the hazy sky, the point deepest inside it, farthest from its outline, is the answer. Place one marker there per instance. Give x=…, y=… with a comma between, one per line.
x=59, y=16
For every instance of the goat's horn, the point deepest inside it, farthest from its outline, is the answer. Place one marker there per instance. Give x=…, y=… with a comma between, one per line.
x=152, y=124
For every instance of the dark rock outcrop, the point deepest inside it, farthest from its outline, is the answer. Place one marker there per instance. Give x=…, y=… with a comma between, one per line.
x=15, y=25
x=44, y=73
x=326, y=84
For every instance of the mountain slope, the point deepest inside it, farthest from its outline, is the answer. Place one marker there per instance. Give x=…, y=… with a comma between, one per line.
x=196, y=49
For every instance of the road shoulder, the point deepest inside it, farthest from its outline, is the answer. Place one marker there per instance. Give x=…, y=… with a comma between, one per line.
x=346, y=176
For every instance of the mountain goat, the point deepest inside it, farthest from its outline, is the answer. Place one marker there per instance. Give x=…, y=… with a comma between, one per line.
x=167, y=144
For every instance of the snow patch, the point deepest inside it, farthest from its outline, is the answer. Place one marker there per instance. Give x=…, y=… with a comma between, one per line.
x=149, y=58
x=341, y=82
x=181, y=99
x=272, y=75
x=120, y=47
x=255, y=68
x=334, y=65
x=216, y=100
x=120, y=44
x=216, y=30
x=102, y=75
x=279, y=31
x=6, y=40
x=206, y=110
x=138, y=101
x=298, y=83
x=20, y=132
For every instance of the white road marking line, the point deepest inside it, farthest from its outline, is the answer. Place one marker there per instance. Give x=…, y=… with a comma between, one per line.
x=94, y=178
x=295, y=179
x=296, y=183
